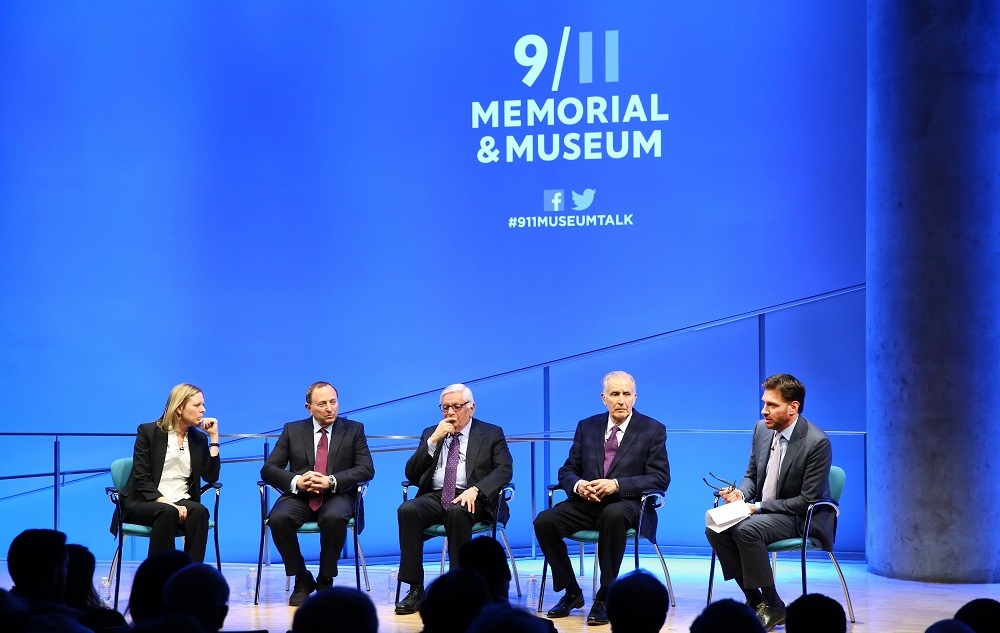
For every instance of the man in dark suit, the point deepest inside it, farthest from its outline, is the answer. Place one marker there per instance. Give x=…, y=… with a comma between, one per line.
x=317, y=464
x=615, y=457
x=480, y=466
x=789, y=469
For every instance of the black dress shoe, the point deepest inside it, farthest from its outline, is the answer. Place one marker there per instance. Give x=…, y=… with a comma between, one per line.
x=304, y=585
x=411, y=602
x=598, y=614
x=567, y=603
x=323, y=582
x=771, y=617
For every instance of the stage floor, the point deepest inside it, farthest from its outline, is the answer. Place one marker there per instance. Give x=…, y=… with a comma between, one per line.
x=880, y=604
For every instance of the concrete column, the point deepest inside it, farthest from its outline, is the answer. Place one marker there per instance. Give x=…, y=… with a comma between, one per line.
x=933, y=290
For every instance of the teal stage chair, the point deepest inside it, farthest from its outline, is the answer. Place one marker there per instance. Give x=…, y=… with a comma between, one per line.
x=506, y=494
x=652, y=497
x=311, y=527
x=837, y=477
x=121, y=470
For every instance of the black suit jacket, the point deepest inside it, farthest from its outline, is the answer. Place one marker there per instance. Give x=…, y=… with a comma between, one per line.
x=640, y=463
x=348, y=459
x=488, y=465
x=804, y=477
x=147, y=466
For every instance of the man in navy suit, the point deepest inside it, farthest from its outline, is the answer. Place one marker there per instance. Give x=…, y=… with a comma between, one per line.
x=799, y=454
x=315, y=492
x=483, y=467
x=605, y=498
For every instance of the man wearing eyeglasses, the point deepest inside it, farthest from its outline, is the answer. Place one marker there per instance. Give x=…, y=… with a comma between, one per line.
x=460, y=466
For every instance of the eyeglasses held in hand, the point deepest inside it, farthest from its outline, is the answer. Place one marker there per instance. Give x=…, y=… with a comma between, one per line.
x=718, y=489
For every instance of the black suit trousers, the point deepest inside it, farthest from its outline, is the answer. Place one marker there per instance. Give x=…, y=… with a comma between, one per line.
x=165, y=521
x=612, y=518
x=742, y=549
x=288, y=515
x=425, y=510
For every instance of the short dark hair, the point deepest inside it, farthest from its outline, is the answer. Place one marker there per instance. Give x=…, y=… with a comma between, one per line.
x=336, y=609
x=316, y=385
x=981, y=614
x=145, y=601
x=638, y=602
x=727, y=616
x=789, y=387
x=453, y=601
x=484, y=555
x=815, y=613
x=33, y=559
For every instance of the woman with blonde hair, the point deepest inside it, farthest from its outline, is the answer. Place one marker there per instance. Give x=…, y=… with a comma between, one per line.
x=171, y=457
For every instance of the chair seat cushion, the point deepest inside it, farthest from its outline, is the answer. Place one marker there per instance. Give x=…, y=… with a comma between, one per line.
x=590, y=536
x=438, y=528
x=790, y=544
x=134, y=529
x=311, y=527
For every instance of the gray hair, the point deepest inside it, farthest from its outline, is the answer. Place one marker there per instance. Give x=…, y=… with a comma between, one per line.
x=618, y=374
x=466, y=392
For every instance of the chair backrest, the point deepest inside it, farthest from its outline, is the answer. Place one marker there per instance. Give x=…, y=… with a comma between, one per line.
x=837, y=476
x=121, y=470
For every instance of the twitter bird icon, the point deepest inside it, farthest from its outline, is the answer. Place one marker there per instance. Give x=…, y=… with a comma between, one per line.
x=582, y=201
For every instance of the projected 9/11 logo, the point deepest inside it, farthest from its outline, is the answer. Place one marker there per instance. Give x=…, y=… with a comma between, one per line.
x=593, y=127
x=531, y=51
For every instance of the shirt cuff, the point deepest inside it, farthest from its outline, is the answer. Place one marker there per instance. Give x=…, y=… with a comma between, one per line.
x=295, y=484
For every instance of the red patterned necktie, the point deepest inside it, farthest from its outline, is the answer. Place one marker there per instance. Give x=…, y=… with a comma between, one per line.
x=610, y=448
x=770, y=492
x=316, y=499
x=450, y=473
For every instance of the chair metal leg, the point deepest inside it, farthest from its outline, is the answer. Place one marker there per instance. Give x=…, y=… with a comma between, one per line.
x=116, y=567
x=444, y=550
x=581, y=559
x=513, y=563
x=260, y=561
x=666, y=574
x=847, y=596
x=593, y=589
x=541, y=587
x=711, y=577
x=774, y=566
x=218, y=557
x=364, y=568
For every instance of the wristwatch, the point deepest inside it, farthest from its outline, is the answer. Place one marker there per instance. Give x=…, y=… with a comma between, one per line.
x=333, y=482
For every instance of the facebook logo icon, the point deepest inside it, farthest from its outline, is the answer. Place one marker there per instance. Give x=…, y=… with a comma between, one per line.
x=555, y=200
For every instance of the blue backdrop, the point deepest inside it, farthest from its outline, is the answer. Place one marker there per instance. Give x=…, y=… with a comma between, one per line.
x=252, y=197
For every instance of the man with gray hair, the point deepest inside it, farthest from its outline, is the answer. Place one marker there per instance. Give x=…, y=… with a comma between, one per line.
x=459, y=468
x=615, y=457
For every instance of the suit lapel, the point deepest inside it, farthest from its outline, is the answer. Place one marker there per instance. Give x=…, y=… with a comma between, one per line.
x=472, y=450
x=635, y=427
x=306, y=431
x=794, y=446
x=160, y=439
x=337, y=433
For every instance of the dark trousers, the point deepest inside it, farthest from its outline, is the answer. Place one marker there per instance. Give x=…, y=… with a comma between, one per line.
x=612, y=518
x=423, y=511
x=288, y=515
x=742, y=549
x=165, y=521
